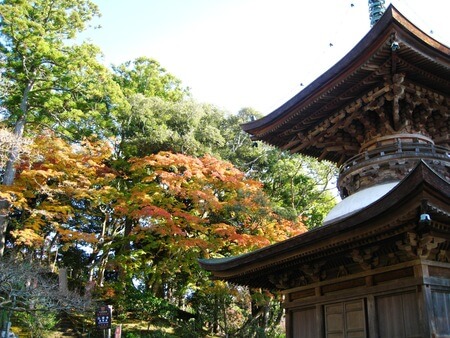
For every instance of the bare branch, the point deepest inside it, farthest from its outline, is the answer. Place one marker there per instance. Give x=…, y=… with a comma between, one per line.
x=25, y=285
x=9, y=141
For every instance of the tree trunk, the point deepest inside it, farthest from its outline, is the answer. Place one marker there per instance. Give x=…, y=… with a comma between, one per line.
x=10, y=170
x=8, y=179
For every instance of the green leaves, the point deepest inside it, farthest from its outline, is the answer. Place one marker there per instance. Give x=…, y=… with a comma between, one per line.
x=171, y=180
x=300, y=186
x=59, y=20
x=46, y=80
x=154, y=125
x=146, y=76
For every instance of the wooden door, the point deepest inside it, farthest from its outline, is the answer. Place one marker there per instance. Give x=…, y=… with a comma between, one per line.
x=345, y=319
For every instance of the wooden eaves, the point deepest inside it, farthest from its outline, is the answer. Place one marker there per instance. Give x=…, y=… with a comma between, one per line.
x=322, y=120
x=384, y=221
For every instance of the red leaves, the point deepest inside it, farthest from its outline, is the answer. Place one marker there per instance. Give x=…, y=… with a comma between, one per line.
x=180, y=207
x=190, y=199
x=230, y=233
x=53, y=181
x=152, y=212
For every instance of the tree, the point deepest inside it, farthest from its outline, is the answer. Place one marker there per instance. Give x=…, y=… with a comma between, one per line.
x=298, y=185
x=146, y=213
x=153, y=125
x=147, y=77
x=59, y=198
x=8, y=141
x=47, y=82
x=236, y=311
x=32, y=295
x=239, y=148
x=186, y=208
x=150, y=223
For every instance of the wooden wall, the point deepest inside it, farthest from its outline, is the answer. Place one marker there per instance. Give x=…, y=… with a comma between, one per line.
x=416, y=303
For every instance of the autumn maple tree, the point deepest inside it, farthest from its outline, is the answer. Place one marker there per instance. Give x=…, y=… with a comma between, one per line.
x=136, y=181
x=185, y=208
x=56, y=195
x=47, y=80
x=161, y=213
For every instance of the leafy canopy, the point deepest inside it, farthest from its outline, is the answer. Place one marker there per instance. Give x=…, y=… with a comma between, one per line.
x=46, y=79
x=147, y=77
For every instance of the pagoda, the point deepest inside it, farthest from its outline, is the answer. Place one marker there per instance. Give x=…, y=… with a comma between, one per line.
x=380, y=264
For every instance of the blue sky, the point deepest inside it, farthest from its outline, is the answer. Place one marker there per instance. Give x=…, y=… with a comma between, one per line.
x=246, y=53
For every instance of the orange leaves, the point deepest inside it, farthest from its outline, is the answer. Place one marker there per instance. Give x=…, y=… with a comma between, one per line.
x=27, y=237
x=167, y=209
x=245, y=241
x=179, y=168
x=189, y=199
x=222, y=171
x=68, y=235
x=54, y=183
x=223, y=229
x=202, y=182
x=152, y=212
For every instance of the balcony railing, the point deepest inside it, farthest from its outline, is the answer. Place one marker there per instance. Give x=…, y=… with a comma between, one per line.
x=395, y=151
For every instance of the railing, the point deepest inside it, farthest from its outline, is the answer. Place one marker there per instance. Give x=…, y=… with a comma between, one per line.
x=393, y=151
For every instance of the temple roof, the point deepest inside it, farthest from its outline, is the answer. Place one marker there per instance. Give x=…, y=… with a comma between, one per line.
x=401, y=207
x=393, y=86
x=357, y=201
x=352, y=102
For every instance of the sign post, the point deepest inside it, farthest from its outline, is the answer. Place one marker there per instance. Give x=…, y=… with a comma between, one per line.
x=103, y=319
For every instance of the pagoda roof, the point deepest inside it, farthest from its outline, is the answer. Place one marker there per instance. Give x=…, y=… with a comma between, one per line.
x=329, y=119
x=423, y=190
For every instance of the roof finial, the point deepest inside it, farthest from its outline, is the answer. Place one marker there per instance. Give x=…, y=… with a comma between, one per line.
x=376, y=10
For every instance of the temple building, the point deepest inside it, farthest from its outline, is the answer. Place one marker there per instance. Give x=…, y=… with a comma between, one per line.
x=379, y=266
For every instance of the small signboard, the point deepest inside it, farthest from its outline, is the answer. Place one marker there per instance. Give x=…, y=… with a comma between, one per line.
x=103, y=318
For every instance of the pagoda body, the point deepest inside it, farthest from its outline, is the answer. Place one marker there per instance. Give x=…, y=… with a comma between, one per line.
x=380, y=264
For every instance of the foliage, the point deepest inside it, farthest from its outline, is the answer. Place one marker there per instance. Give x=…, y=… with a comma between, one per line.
x=53, y=186
x=137, y=179
x=189, y=198
x=236, y=311
x=48, y=83
x=239, y=148
x=38, y=323
x=181, y=208
x=32, y=294
x=301, y=186
x=45, y=80
x=147, y=77
x=142, y=304
x=153, y=125
x=185, y=208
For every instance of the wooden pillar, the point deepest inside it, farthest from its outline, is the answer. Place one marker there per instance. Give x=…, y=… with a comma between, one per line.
x=288, y=323
x=320, y=322
x=424, y=300
x=372, y=317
